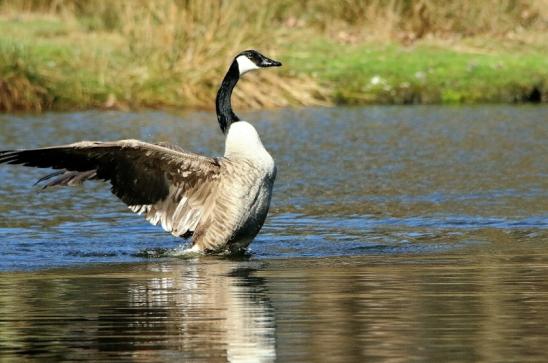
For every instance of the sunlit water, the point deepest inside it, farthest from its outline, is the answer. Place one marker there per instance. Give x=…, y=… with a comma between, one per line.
x=395, y=233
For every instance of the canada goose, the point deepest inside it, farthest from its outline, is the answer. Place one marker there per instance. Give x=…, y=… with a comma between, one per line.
x=220, y=202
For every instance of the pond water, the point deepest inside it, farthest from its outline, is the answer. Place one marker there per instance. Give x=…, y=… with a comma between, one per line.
x=395, y=233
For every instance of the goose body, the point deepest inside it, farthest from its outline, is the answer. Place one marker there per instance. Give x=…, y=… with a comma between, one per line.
x=220, y=203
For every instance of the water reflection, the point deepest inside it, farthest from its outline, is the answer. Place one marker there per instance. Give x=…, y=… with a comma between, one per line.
x=452, y=308
x=466, y=306
x=213, y=311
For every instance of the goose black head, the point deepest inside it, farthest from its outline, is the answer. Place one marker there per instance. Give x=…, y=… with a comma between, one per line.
x=243, y=62
x=251, y=59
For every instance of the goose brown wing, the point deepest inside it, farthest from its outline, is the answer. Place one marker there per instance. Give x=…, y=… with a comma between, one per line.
x=170, y=186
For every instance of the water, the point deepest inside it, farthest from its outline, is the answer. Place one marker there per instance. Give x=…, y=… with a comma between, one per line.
x=395, y=233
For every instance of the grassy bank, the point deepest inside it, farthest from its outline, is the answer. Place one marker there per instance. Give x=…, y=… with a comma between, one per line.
x=427, y=72
x=72, y=55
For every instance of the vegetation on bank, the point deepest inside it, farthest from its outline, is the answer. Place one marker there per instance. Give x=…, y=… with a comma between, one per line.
x=426, y=73
x=71, y=54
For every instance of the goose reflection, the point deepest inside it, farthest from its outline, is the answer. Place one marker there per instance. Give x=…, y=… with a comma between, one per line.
x=215, y=310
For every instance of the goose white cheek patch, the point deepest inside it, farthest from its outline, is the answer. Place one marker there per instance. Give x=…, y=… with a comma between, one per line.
x=245, y=64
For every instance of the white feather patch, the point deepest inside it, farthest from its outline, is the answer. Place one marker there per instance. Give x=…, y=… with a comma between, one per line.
x=245, y=64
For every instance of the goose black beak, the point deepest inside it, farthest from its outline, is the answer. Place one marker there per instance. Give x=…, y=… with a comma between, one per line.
x=267, y=62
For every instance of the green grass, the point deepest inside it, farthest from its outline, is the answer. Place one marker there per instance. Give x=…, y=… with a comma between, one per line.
x=423, y=73
x=69, y=70
x=47, y=62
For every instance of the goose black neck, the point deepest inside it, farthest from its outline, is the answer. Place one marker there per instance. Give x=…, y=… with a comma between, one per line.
x=225, y=115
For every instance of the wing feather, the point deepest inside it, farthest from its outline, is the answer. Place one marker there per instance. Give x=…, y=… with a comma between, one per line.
x=168, y=185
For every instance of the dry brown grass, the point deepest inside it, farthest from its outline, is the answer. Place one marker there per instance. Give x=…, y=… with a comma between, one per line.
x=195, y=42
x=19, y=94
x=414, y=19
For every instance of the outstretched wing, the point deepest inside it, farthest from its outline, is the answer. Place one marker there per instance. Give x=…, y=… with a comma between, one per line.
x=170, y=186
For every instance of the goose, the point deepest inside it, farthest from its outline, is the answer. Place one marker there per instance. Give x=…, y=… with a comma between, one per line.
x=219, y=203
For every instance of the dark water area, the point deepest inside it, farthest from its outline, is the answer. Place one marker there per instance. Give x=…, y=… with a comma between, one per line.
x=395, y=233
